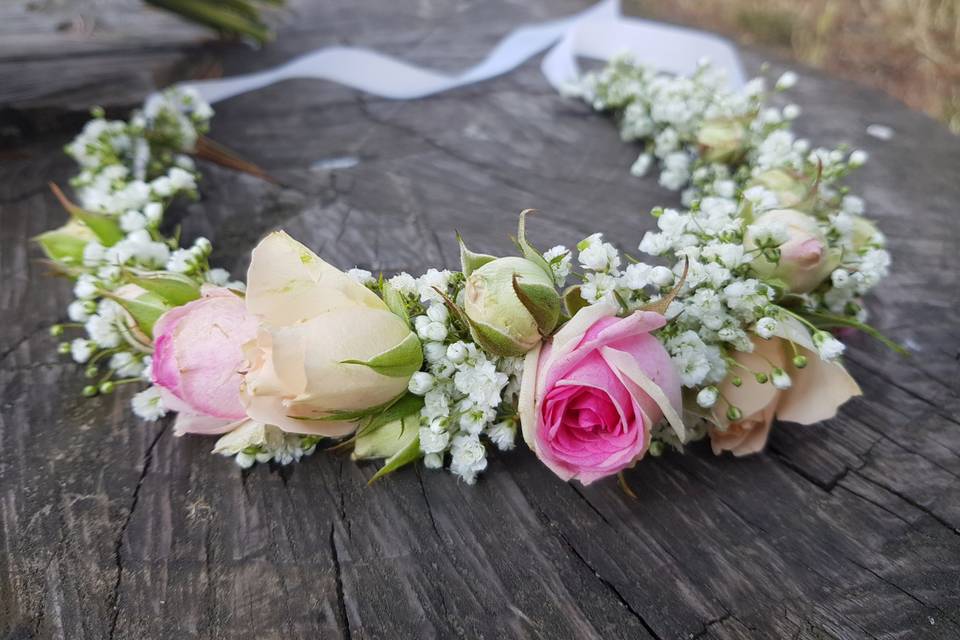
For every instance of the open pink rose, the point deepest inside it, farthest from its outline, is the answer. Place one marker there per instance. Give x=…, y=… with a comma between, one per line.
x=197, y=360
x=590, y=397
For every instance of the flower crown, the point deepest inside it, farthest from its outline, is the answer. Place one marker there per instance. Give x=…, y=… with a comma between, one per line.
x=765, y=265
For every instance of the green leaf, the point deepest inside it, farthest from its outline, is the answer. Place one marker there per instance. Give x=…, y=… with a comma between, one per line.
x=573, y=301
x=395, y=302
x=399, y=362
x=470, y=261
x=106, y=229
x=177, y=289
x=410, y=453
x=543, y=303
x=233, y=17
x=145, y=309
x=529, y=252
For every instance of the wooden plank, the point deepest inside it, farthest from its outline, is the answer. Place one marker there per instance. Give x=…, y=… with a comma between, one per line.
x=111, y=528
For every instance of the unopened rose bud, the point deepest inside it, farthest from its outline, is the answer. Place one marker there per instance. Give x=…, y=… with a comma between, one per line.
x=721, y=139
x=805, y=259
x=790, y=190
x=67, y=243
x=511, y=303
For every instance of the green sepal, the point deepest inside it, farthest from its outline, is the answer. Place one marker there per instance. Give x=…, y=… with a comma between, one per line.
x=405, y=405
x=529, y=252
x=399, y=362
x=386, y=441
x=410, y=453
x=106, y=229
x=395, y=302
x=177, y=289
x=66, y=244
x=145, y=309
x=543, y=303
x=573, y=301
x=470, y=261
x=494, y=341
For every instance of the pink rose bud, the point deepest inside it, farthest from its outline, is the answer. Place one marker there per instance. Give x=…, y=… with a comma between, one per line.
x=590, y=398
x=197, y=360
x=805, y=257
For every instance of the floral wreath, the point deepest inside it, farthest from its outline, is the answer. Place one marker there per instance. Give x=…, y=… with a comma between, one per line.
x=766, y=267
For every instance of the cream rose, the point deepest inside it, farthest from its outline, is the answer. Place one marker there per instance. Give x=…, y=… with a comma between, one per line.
x=816, y=392
x=327, y=346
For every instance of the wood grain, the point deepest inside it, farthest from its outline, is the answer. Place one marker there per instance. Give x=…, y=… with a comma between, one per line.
x=110, y=528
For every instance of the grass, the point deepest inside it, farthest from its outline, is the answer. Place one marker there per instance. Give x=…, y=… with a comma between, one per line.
x=908, y=48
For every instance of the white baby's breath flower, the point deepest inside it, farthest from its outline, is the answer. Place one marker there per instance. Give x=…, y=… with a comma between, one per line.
x=765, y=327
x=433, y=461
x=642, y=164
x=77, y=311
x=780, y=379
x=404, y=283
x=827, y=346
x=707, y=397
x=428, y=283
x=597, y=286
x=502, y=434
x=468, y=457
x=148, y=405
x=787, y=80
x=559, y=260
x=361, y=276
x=433, y=441
x=126, y=365
x=420, y=383
x=597, y=255
x=103, y=331
x=132, y=221
x=81, y=350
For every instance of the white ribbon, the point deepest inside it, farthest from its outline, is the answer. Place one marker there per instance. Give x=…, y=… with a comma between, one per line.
x=600, y=32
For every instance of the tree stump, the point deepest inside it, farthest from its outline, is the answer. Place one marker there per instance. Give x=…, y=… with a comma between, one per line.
x=111, y=528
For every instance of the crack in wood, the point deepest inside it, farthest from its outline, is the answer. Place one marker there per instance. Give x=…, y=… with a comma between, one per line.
x=118, y=543
x=343, y=618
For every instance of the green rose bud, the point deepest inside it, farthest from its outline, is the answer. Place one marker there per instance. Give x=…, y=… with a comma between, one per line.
x=865, y=234
x=66, y=244
x=790, y=190
x=721, y=139
x=511, y=304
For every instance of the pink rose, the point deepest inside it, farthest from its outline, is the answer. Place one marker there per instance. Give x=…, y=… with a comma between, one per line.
x=197, y=360
x=590, y=397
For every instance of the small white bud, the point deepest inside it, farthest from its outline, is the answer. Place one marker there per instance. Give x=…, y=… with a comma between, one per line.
x=438, y=313
x=420, y=383
x=661, y=276
x=457, y=352
x=707, y=397
x=787, y=80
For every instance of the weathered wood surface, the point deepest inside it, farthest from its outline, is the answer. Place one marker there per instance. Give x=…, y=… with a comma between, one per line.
x=114, y=529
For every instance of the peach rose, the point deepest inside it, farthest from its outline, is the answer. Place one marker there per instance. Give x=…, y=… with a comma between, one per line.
x=327, y=346
x=816, y=392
